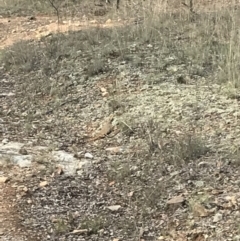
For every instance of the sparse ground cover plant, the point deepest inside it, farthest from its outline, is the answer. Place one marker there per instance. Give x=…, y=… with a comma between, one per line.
x=166, y=166
x=26, y=7
x=29, y=7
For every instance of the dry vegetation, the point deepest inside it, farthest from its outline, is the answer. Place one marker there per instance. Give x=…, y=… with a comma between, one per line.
x=177, y=178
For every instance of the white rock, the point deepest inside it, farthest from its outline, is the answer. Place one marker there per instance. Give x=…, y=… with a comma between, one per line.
x=88, y=155
x=114, y=207
x=5, y=141
x=217, y=217
x=10, y=152
x=22, y=160
x=67, y=161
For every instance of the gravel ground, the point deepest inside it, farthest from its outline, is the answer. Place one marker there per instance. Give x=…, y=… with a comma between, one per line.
x=166, y=165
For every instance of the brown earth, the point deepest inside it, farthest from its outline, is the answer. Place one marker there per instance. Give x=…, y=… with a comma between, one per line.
x=15, y=29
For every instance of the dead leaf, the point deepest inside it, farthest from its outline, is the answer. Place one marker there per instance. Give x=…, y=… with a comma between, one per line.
x=93, y=21
x=106, y=128
x=217, y=217
x=115, y=149
x=176, y=199
x=4, y=179
x=59, y=170
x=25, y=189
x=108, y=21
x=43, y=184
x=199, y=210
x=104, y=92
x=114, y=207
x=178, y=133
x=198, y=237
x=111, y=183
x=216, y=192
x=232, y=200
x=179, y=235
x=103, y=89
x=229, y=202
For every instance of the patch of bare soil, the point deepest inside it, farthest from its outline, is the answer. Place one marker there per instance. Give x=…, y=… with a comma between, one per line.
x=6, y=211
x=17, y=29
x=14, y=29
x=11, y=228
x=144, y=108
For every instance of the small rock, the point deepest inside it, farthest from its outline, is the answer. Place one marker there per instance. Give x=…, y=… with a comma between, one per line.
x=22, y=161
x=236, y=238
x=105, y=94
x=32, y=18
x=23, y=151
x=108, y=21
x=11, y=147
x=1, y=232
x=43, y=184
x=175, y=200
x=114, y=207
x=115, y=150
x=88, y=155
x=217, y=217
x=181, y=80
x=4, y=179
x=66, y=161
x=5, y=141
x=130, y=194
x=41, y=167
x=10, y=153
x=82, y=164
x=199, y=183
x=25, y=189
x=93, y=21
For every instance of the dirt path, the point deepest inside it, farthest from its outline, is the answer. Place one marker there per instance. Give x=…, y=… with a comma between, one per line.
x=10, y=228
x=26, y=28
x=29, y=28
x=13, y=30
